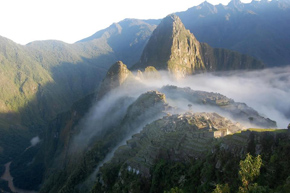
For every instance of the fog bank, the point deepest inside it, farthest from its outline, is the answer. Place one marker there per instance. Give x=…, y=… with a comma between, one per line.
x=267, y=91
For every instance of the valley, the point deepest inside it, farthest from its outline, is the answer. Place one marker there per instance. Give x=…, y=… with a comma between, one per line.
x=7, y=177
x=160, y=105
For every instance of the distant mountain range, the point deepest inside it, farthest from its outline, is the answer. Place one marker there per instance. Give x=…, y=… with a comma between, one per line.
x=259, y=28
x=43, y=78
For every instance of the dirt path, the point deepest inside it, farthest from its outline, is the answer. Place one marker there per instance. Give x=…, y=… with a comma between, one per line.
x=7, y=177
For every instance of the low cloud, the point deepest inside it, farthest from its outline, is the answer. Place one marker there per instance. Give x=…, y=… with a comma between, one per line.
x=267, y=91
x=34, y=141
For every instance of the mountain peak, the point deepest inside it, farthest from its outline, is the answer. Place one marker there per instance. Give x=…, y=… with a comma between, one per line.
x=115, y=77
x=171, y=47
x=171, y=18
x=206, y=4
x=236, y=4
x=171, y=23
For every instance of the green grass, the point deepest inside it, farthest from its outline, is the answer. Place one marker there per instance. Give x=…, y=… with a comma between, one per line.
x=268, y=130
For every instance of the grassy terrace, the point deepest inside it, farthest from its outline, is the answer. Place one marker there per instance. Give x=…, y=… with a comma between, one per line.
x=263, y=130
x=267, y=130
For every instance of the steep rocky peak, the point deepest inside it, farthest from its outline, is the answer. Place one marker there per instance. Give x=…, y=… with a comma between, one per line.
x=115, y=77
x=118, y=68
x=174, y=24
x=172, y=47
x=171, y=20
x=118, y=73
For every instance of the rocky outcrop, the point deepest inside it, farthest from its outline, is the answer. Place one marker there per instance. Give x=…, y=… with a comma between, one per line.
x=115, y=77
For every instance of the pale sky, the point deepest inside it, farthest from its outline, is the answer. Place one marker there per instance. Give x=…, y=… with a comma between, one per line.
x=24, y=21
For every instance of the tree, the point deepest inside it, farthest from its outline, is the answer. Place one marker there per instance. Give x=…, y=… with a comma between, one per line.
x=249, y=171
x=220, y=188
x=174, y=190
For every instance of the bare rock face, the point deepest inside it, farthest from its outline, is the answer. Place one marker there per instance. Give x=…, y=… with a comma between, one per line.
x=115, y=77
x=172, y=48
x=185, y=55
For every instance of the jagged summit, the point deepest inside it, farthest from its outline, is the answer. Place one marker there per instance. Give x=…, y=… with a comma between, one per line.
x=237, y=4
x=173, y=48
x=116, y=75
x=207, y=8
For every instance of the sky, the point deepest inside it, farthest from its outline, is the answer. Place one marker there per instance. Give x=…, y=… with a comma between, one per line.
x=72, y=20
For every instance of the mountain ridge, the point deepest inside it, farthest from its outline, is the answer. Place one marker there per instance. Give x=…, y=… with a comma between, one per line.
x=257, y=28
x=173, y=48
x=43, y=78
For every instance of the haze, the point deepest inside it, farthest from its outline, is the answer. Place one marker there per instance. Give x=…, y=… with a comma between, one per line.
x=266, y=91
x=70, y=21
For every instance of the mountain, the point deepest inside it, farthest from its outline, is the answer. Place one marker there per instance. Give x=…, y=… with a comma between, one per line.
x=258, y=28
x=185, y=158
x=86, y=111
x=115, y=77
x=171, y=47
x=126, y=39
x=38, y=81
x=79, y=142
x=43, y=78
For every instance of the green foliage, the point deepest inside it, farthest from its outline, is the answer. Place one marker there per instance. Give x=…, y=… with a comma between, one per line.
x=222, y=188
x=20, y=138
x=28, y=167
x=249, y=171
x=4, y=186
x=174, y=190
x=44, y=78
x=221, y=166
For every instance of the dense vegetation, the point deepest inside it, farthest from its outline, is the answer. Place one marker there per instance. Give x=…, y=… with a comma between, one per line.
x=43, y=78
x=222, y=169
x=4, y=186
